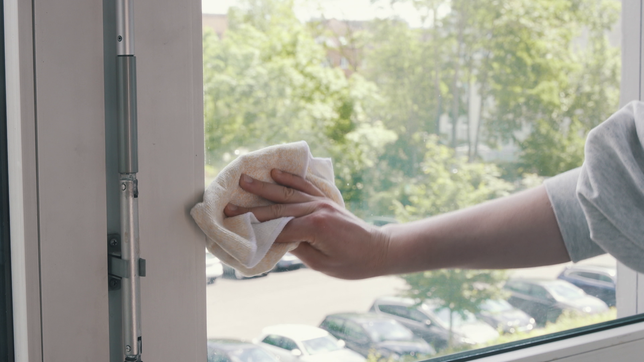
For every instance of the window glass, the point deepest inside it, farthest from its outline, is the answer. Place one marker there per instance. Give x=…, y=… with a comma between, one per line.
x=396, y=310
x=519, y=287
x=287, y=344
x=353, y=331
x=272, y=340
x=387, y=331
x=418, y=316
x=539, y=292
x=424, y=107
x=333, y=325
x=496, y=306
x=457, y=319
x=565, y=291
x=320, y=345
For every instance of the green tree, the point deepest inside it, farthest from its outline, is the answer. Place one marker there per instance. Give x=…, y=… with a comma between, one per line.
x=267, y=82
x=449, y=183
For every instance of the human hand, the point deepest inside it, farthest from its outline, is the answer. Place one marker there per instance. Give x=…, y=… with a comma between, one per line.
x=332, y=239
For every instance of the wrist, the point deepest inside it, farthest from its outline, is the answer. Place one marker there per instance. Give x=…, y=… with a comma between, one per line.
x=383, y=242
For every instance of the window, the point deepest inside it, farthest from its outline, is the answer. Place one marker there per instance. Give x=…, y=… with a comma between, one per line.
x=272, y=340
x=446, y=127
x=332, y=325
x=354, y=331
x=396, y=310
x=58, y=227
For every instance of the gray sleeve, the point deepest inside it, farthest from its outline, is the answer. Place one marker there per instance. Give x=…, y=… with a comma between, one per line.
x=570, y=216
x=610, y=188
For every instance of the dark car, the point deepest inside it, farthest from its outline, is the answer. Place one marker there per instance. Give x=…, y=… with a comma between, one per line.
x=545, y=300
x=230, y=350
x=501, y=315
x=431, y=323
x=598, y=281
x=367, y=333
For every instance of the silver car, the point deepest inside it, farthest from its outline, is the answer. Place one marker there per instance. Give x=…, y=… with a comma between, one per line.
x=299, y=342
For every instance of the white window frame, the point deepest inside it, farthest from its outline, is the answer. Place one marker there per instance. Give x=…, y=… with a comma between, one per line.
x=57, y=76
x=56, y=113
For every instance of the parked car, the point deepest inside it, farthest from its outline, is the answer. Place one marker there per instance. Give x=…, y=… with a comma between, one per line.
x=376, y=333
x=230, y=350
x=431, y=323
x=501, y=315
x=214, y=268
x=288, y=262
x=299, y=342
x=598, y=281
x=545, y=300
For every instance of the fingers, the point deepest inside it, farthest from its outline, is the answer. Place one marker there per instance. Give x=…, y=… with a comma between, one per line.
x=295, y=182
x=265, y=213
x=274, y=192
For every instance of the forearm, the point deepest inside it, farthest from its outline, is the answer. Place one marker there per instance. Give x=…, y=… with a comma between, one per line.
x=512, y=232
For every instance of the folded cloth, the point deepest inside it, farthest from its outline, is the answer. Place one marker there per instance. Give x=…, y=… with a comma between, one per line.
x=243, y=242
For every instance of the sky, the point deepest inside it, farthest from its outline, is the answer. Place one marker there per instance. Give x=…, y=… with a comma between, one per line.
x=338, y=9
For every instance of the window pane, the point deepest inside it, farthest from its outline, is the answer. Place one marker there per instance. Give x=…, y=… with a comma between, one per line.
x=425, y=107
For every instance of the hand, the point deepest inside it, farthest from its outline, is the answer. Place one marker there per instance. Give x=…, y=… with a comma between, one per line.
x=332, y=240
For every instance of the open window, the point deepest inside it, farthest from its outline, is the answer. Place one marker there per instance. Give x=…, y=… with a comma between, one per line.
x=60, y=95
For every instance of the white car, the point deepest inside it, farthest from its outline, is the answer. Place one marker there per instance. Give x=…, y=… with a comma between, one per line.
x=298, y=342
x=214, y=268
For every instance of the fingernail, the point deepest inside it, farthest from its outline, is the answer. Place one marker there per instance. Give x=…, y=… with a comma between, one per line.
x=232, y=207
x=247, y=179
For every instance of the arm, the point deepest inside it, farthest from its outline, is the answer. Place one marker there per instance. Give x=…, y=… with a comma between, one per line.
x=512, y=232
x=516, y=231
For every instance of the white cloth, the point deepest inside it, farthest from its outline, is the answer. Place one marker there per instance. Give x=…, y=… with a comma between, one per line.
x=242, y=241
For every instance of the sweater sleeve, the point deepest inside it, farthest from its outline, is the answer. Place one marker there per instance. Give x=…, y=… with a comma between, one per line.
x=610, y=187
x=570, y=216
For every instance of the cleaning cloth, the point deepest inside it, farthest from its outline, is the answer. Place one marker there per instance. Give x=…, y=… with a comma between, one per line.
x=243, y=242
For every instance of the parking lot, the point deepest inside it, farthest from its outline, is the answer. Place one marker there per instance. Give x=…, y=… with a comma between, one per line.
x=241, y=308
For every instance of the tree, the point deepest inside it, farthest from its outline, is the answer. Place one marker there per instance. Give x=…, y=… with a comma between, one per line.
x=267, y=82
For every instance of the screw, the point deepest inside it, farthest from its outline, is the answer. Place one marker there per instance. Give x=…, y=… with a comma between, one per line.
x=128, y=348
x=120, y=38
x=123, y=187
x=114, y=284
x=114, y=242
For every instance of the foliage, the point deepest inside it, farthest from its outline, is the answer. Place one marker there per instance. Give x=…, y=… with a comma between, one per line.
x=449, y=183
x=266, y=82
